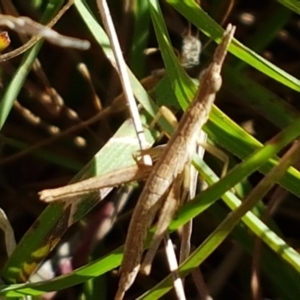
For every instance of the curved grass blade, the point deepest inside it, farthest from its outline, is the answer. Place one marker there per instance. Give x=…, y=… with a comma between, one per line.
x=182, y=85
x=261, y=99
x=284, y=278
x=140, y=37
x=291, y=4
x=102, y=39
x=244, y=169
x=229, y=135
x=190, y=10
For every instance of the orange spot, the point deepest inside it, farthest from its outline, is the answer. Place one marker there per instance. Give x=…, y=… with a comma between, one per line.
x=4, y=40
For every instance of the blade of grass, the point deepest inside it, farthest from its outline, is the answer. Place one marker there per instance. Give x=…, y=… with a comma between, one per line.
x=196, y=15
x=124, y=77
x=252, y=163
x=182, y=85
x=261, y=99
x=291, y=4
x=229, y=135
x=140, y=37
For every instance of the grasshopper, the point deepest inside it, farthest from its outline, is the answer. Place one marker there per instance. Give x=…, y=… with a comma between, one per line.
x=161, y=188
x=161, y=185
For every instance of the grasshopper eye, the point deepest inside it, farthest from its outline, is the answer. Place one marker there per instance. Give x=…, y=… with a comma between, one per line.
x=215, y=82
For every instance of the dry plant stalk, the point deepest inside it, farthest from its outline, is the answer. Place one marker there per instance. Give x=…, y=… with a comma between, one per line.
x=170, y=167
x=28, y=26
x=35, y=39
x=124, y=77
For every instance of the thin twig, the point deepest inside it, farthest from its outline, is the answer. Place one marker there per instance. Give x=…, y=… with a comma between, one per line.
x=109, y=26
x=35, y=39
x=173, y=266
x=26, y=25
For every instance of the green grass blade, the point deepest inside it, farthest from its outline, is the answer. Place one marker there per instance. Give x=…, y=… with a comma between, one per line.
x=182, y=85
x=229, y=135
x=262, y=100
x=293, y=5
x=190, y=10
x=140, y=38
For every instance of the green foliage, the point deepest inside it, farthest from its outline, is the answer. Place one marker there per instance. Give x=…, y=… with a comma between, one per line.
x=176, y=88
